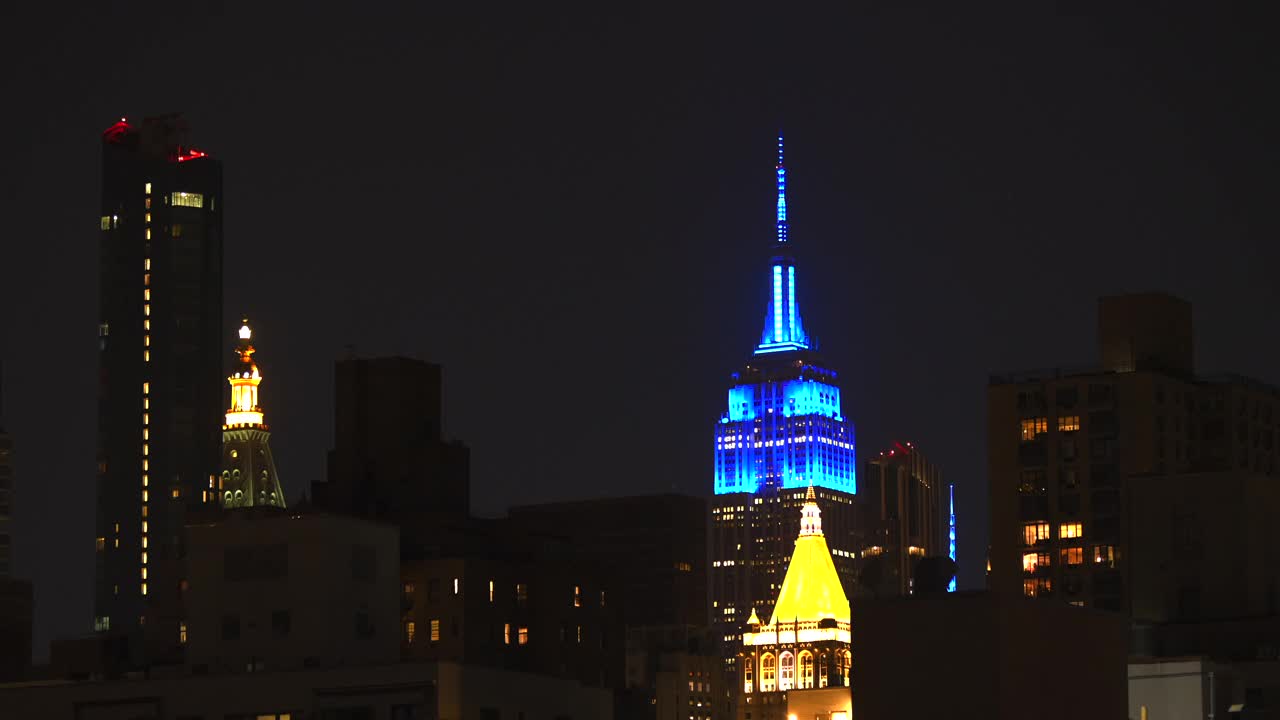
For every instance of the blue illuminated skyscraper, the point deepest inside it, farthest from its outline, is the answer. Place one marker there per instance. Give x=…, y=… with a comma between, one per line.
x=784, y=425
x=783, y=431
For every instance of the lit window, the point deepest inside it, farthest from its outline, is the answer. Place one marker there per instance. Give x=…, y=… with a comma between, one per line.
x=182, y=199
x=787, y=669
x=175, y=493
x=522, y=636
x=410, y=630
x=806, y=670
x=1029, y=562
x=1031, y=427
x=1033, y=533
x=148, y=188
x=1070, y=530
x=144, y=588
x=490, y=591
x=1034, y=587
x=148, y=233
x=455, y=586
x=577, y=596
x=1104, y=555
x=522, y=593
x=148, y=203
x=506, y=633
x=146, y=217
x=144, y=496
x=1068, y=423
x=435, y=631
x=144, y=542
x=767, y=673
x=146, y=388
x=106, y=222
x=182, y=633
x=579, y=634
x=144, y=573
x=408, y=588
x=1072, y=556
x=146, y=264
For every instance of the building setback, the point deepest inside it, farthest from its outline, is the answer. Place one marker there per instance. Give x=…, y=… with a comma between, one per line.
x=783, y=431
x=159, y=367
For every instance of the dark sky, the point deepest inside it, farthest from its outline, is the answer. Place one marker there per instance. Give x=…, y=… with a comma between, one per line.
x=572, y=214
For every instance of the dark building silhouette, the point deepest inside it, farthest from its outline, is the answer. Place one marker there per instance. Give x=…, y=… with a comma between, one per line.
x=6, y=491
x=663, y=538
x=1065, y=443
x=159, y=366
x=985, y=655
x=390, y=460
x=1204, y=566
x=902, y=519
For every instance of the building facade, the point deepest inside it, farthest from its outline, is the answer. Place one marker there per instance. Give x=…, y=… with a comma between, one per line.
x=249, y=476
x=6, y=492
x=798, y=664
x=784, y=431
x=390, y=460
x=159, y=365
x=663, y=537
x=276, y=590
x=904, y=516
x=1064, y=443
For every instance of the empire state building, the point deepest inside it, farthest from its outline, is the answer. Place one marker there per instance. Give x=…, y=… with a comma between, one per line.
x=784, y=430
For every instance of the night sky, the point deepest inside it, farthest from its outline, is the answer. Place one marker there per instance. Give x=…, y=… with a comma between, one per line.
x=573, y=214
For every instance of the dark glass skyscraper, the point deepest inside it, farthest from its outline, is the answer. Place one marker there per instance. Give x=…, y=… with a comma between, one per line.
x=160, y=367
x=784, y=431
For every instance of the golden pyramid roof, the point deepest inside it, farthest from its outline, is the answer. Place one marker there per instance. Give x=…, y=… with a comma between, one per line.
x=811, y=590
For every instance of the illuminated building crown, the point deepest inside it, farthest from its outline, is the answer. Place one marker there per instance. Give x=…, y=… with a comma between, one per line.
x=811, y=590
x=782, y=327
x=244, y=380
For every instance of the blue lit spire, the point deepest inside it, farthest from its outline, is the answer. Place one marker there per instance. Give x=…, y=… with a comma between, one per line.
x=782, y=196
x=783, y=330
x=951, y=531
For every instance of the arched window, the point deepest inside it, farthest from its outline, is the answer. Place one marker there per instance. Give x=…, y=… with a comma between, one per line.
x=806, y=670
x=787, y=668
x=823, y=659
x=747, y=676
x=767, y=673
x=842, y=667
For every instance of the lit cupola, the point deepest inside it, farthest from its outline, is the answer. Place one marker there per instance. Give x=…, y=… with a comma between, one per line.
x=248, y=470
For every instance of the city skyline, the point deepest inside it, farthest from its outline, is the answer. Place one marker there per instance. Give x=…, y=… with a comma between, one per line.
x=895, y=202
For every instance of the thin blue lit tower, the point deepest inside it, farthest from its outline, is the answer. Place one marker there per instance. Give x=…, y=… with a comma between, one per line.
x=783, y=432
x=951, y=531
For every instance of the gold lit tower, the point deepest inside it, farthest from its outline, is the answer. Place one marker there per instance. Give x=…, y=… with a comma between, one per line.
x=798, y=664
x=248, y=471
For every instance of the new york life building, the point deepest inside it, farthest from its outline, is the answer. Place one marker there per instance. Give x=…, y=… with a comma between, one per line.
x=783, y=431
